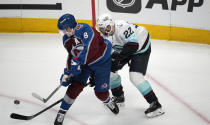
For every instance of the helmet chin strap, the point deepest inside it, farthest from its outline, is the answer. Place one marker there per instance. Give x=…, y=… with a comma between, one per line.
x=108, y=33
x=70, y=33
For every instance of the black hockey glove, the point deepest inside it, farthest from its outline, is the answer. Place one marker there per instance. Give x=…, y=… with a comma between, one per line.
x=120, y=59
x=115, y=55
x=117, y=65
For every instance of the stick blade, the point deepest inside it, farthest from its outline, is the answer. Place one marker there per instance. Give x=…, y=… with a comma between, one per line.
x=20, y=117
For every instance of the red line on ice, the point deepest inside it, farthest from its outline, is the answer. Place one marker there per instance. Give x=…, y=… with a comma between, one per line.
x=179, y=99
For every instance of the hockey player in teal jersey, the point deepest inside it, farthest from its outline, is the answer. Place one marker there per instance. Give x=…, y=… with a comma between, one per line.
x=131, y=45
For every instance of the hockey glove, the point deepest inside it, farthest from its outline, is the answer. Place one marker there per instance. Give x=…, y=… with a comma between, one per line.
x=75, y=67
x=115, y=55
x=65, y=78
x=116, y=65
x=120, y=59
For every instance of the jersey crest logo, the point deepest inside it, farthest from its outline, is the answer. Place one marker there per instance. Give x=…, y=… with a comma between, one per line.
x=77, y=49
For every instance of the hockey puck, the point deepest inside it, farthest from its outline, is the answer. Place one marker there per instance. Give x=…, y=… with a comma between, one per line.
x=16, y=102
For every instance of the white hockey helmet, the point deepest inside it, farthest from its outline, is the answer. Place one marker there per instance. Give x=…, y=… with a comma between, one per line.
x=104, y=21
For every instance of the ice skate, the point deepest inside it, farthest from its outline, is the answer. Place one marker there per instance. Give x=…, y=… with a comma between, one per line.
x=60, y=117
x=155, y=109
x=112, y=106
x=119, y=100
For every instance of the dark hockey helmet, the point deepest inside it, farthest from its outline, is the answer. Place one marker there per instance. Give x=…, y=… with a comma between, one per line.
x=66, y=20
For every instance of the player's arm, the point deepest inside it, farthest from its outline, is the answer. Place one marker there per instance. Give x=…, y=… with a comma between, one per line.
x=123, y=57
x=130, y=47
x=67, y=43
x=85, y=33
x=65, y=78
x=131, y=42
x=79, y=51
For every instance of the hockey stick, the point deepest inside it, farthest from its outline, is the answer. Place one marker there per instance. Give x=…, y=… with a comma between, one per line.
x=43, y=99
x=23, y=117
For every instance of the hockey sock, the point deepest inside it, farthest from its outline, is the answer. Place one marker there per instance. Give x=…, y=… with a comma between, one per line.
x=150, y=97
x=103, y=96
x=146, y=90
x=117, y=91
x=74, y=89
x=66, y=102
x=115, y=81
x=71, y=94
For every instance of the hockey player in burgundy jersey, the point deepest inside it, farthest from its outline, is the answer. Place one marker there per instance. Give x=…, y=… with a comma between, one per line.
x=87, y=52
x=131, y=44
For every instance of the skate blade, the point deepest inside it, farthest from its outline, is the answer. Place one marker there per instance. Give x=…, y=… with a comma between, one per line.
x=155, y=113
x=109, y=109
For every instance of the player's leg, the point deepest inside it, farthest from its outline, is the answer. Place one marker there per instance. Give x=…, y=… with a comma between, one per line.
x=72, y=93
x=138, y=69
x=146, y=90
x=117, y=89
x=102, y=79
x=115, y=83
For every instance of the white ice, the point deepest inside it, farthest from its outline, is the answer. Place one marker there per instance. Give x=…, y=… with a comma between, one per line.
x=178, y=72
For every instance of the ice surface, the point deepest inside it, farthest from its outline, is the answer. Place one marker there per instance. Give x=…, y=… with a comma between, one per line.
x=178, y=72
